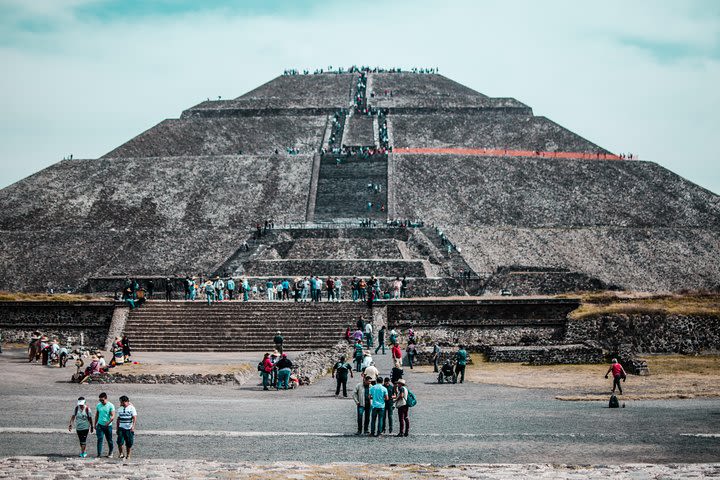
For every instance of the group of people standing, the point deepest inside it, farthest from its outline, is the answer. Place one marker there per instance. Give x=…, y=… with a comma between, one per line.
x=101, y=423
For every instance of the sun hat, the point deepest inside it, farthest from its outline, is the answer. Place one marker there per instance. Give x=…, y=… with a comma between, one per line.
x=401, y=381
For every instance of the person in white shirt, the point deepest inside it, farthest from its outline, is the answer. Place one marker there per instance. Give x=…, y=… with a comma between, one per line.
x=369, y=334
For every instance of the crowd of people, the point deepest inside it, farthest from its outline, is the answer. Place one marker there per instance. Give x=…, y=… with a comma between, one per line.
x=101, y=423
x=276, y=369
x=360, y=69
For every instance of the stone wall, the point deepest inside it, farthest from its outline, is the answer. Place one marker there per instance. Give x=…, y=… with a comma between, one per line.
x=73, y=323
x=546, y=355
x=649, y=333
x=321, y=267
x=541, y=281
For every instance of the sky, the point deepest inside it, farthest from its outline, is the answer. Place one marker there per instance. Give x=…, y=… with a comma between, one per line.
x=82, y=77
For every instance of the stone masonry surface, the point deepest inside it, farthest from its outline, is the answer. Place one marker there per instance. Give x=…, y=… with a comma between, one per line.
x=67, y=469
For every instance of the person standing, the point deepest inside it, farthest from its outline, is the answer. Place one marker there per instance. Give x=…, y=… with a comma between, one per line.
x=378, y=396
x=460, y=362
x=126, y=418
x=104, y=415
x=150, y=289
x=393, y=337
x=246, y=289
x=278, y=340
x=358, y=355
x=389, y=405
x=340, y=373
x=338, y=289
x=402, y=408
x=403, y=287
x=82, y=417
x=361, y=395
x=330, y=285
x=126, y=348
x=266, y=371
x=618, y=373
x=230, y=288
x=410, y=351
x=381, y=340
x=168, y=290
x=436, y=356
x=369, y=334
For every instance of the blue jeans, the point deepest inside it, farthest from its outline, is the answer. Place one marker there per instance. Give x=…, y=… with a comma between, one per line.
x=283, y=378
x=363, y=419
x=381, y=345
x=378, y=414
x=266, y=376
x=104, y=431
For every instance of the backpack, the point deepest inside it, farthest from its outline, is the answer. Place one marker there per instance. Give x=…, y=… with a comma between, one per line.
x=614, y=403
x=411, y=400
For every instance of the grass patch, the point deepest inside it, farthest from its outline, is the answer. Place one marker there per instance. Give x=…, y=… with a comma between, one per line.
x=613, y=303
x=46, y=297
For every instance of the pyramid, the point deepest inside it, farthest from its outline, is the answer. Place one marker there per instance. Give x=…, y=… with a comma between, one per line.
x=521, y=199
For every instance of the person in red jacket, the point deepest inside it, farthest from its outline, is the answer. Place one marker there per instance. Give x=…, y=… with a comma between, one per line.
x=618, y=373
x=267, y=368
x=396, y=354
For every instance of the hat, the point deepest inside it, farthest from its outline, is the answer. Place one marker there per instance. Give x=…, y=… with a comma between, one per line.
x=284, y=354
x=81, y=401
x=401, y=381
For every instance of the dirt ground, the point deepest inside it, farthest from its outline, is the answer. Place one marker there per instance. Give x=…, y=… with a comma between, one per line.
x=671, y=376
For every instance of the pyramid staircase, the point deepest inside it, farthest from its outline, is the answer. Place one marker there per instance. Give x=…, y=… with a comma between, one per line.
x=239, y=326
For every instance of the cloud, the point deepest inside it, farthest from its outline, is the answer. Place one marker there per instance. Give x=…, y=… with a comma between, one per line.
x=632, y=76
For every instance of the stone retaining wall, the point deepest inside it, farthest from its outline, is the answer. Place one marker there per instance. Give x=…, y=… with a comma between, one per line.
x=649, y=333
x=74, y=323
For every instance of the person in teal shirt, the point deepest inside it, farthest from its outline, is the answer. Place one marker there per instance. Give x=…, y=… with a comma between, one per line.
x=378, y=397
x=461, y=360
x=104, y=415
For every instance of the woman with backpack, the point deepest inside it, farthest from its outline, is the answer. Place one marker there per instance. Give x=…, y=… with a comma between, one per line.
x=401, y=403
x=82, y=417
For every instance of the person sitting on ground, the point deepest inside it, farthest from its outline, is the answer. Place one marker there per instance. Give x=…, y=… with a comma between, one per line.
x=284, y=367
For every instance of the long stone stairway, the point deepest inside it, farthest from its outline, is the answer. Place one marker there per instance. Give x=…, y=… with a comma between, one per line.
x=239, y=326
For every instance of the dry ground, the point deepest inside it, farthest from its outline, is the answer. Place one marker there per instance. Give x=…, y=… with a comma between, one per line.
x=671, y=376
x=182, y=369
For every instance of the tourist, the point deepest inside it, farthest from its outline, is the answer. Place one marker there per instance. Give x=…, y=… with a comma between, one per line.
x=168, y=290
x=371, y=371
x=411, y=335
x=396, y=373
x=104, y=415
x=270, y=289
x=361, y=395
x=279, y=290
x=362, y=289
x=126, y=418
x=618, y=373
x=338, y=289
x=246, y=289
x=219, y=285
x=284, y=368
x=278, y=340
x=436, y=356
x=340, y=373
x=446, y=374
x=396, y=286
x=285, y=289
x=360, y=324
x=305, y=290
x=330, y=286
x=403, y=287
x=366, y=361
x=378, y=396
x=355, y=289
x=82, y=417
x=230, y=288
x=209, y=292
x=150, y=289
x=402, y=408
x=389, y=405
x=358, y=355
x=396, y=355
x=381, y=340
x=461, y=357
x=410, y=352
x=393, y=337
x=126, y=348
x=266, y=369
x=369, y=334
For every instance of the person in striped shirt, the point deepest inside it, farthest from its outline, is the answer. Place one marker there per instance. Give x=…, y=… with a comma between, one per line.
x=126, y=418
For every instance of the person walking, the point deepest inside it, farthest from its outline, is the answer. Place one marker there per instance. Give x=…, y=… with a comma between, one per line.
x=361, y=395
x=284, y=368
x=460, y=362
x=82, y=417
x=378, y=397
x=381, y=340
x=126, y=419
x=278, y=340
x=402, y=408
x=410, y=352
x=340, y=373
x=358, y=356
x=104, y=415
x=396, y=355
x=266, y=370
x=618, y=373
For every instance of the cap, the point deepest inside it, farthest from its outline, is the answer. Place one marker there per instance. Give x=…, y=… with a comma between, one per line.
x=81, y=401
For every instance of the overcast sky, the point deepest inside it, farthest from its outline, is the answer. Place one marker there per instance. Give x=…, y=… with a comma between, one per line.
x=84, y=76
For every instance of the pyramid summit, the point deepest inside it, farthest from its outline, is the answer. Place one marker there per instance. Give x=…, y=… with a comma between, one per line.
x=456, y=184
